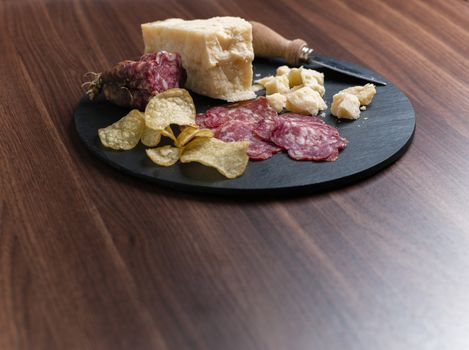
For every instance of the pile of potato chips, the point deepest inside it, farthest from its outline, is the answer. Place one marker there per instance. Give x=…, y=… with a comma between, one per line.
x=175, y=107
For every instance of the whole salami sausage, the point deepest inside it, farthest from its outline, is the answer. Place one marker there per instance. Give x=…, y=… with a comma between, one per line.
x=133, y=83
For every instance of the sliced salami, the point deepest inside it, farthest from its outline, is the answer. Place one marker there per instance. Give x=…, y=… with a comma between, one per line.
x=237, y=122
x=300, y=118
x=255, y=110
x=216, y=116
x=239, y=130
x=265, y=127
x=304, y=137
x=307, y=139
x=200, y=120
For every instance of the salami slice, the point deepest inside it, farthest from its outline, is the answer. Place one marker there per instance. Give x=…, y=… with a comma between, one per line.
x=216, y=116
x=304, y=119
x=265, y=127
x=200, y=120
x=237, y=122
x=255, y=110
x=239, y=130
x=307, y=139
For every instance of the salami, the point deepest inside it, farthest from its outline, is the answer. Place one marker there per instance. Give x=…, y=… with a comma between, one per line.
x=255, y=110
x=133, y=83
x=239, y=130
x=307, y=138
x=157, y=72
x=237, y=122
x=265, y=127
x=303, y=137
x=200, y=120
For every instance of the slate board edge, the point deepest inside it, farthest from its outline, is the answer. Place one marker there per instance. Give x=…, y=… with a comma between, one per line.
x=303, y=189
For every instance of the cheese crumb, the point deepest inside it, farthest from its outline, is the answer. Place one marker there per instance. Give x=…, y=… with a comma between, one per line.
x=282, y=70
x=364, y=93
x=305, y=101
x=298, y=90
x=257, y=87
x=308, y=75
x=294, y=76
x=313, y=84
x=345, y=106
x=277, y=101
x=279, y=84
x=264, y=80
x=275, y=84
x=298, y=76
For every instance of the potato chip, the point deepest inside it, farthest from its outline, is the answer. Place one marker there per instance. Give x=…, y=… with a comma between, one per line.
x=229, y=158
x=191, y=132
x=125, y=133
x=174, y=106
x=164, y=156
x=168, y=132
x=150, y=137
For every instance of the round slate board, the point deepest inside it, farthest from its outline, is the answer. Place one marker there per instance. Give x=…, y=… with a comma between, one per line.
x=381, y=135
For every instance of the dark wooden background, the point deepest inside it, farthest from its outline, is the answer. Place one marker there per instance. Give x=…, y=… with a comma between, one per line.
x=93, y=259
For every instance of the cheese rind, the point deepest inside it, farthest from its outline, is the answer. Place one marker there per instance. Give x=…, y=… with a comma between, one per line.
x=217, y=53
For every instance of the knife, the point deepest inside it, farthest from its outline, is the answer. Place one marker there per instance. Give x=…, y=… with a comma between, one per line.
x=268, y=43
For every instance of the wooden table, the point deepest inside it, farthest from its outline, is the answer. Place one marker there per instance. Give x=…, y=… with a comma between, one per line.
x=93, y=259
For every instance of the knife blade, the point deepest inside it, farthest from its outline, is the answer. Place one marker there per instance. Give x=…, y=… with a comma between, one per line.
x=268, y=43
x=342, y=67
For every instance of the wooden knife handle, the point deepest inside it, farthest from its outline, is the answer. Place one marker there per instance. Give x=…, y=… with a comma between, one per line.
x=268, y=43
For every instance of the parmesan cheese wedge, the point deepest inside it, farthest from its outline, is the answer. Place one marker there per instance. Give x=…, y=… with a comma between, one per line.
x=217, y=53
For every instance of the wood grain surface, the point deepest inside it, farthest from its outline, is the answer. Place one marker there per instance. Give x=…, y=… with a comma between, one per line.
x=93, y=259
